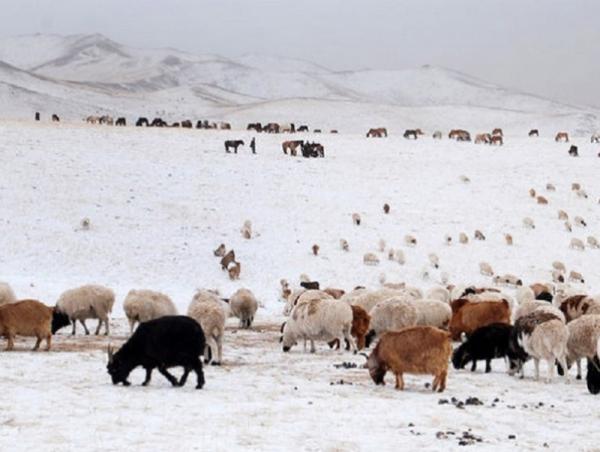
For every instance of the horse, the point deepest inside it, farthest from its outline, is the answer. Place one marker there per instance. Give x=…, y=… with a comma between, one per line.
x=497, y=140
x=573, y=152
x=410, y=133
x=534, y=133
x=271, y=127
x=121, y=122
x=289, y=128
x=437, y=135
x=186, y=124
x=257, y=126
x=377, y=132
x=497, y=131
x=292, y=146
x=459, y=135
x=55, y=118
x=313, y=150
x=235, y=144
x=92, y=119
x=562, y=136
x=333, y=131
x=142, y=122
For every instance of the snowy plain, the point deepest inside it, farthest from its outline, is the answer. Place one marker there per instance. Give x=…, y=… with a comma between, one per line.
x=160, y=201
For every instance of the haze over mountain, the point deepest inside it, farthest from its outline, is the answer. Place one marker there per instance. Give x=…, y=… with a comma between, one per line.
x=82, y=74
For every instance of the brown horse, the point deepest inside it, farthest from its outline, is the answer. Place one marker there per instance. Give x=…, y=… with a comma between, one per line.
x=292, y=146
x=497, y=140
x=534, y=133
x=255, y=126
x=484, y=138
x=459, y=135
x=378, y=132
x=562, y=136
x=235, y=144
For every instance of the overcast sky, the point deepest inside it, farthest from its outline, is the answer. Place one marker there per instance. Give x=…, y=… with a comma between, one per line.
x=546, y=47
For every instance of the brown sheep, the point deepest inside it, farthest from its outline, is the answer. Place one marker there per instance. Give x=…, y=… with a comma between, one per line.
x=30, y=318
x=577, y=305
x=220, y=251
x=468, y=316
x=360, y=327
x=541, y=200
x=415, y=350
x=532, y=192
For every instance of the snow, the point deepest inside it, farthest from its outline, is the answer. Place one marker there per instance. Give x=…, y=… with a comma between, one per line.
x=159, y=202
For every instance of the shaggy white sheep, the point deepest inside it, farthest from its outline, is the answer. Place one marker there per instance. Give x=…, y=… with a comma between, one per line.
x=576, y=244
x=368, y=299
x=562, y=215
x=438, y=293
x=434, y=260
x=244, y=305
x=207, y=309
x=246, y=230
x=6, y=294
x=410, y=240
x=558, y=265
x=399, y=257
x=576, y=277
x=527, y=307
x=593, y=242
x=318, y=319
x=87, y=302
x=463, y=238
x=344, y=245
x=579, y=222
x=524, y=294
x=432, y=312
x=356, y=219
x=584, y=333
x=143, y=305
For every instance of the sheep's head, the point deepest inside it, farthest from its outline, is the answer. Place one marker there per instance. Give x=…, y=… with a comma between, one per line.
x=287, y=338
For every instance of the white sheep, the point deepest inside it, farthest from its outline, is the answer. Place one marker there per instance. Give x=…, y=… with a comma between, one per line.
x=463, y=238
x=207, y=309
x=527, y=307
x=391, y=254
x=576, y=244
x=244, y=305
x=143, y=305
x=368, y=299
x=318, y=319
x=87, y=302
x=558, y=265
x=562, y=215
x=584, y=333
x=581, y=193
x=246, y=230
x=434, y=260
x=399, y=257
x=392, y=314
x=291, y=300
x=558, y=276
x=410, y=240
x=432, y=312
x=568, y=226
x=438, y=293
x=6, y=294
x=576, y=277
x=370, y=259
x=579, y=222
x=593, y=242
x=448, y=239
x=344, y=245
x=485, y=269
x=528, y=223
x=524, y=294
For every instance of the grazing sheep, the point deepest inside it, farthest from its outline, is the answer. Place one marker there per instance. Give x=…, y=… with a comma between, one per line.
x=399, y=257
x=434, y=260
x=576, y=277
x=584, y=333
x=541, y=200
x=367, y=299
x=581, y=193
x=87, y=302
x=580, y=222
x=291, y=301
x=220, y=251
x=391, y=314
x=528, y=223
x=558, y=265
x=318, y=319
x=568, y=226
x=485, y=269
x=243, y=305
x=463, y=238
x=433, y=313
x=207, y=309
x=527, y=307
x=381, y=245
x=227, y=259
x=509, y=239
x=532, y=192
x=233, y=270
x=468, y=316
x=391, y=254
x=485, y=343
x=386, y=208
x=415, y=350
x=344, y=245
x=593, y=242
x=576, y=306
x=550, y=187
x=144, y=305
x=246, y=230
x=410, y=240
x=29, y=318
x=562, y=215
x=356, y=219
x=370, y=259
x=6, y=294
x=478, y=235
x=315, y=250
x=575, y=186
x=540, y=335
x=577, y=244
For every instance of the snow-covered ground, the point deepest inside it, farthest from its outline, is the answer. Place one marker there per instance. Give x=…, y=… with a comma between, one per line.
x=160, y=201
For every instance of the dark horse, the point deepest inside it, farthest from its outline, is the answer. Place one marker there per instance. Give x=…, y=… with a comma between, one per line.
x=235, y=144
x=312, y=150
x=142, y=122
x=410, y=133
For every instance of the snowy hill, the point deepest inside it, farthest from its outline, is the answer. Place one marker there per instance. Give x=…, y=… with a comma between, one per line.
x=81, y=74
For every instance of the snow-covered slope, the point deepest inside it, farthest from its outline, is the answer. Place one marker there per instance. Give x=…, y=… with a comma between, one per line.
x=82, y=74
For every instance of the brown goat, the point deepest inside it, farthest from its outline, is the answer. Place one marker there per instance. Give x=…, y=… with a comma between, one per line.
x=467, y=316
x=227, y=259
x=220, y=251
x=26, y=318
x=360, y=327
x=576, y=306
x=414, y=350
